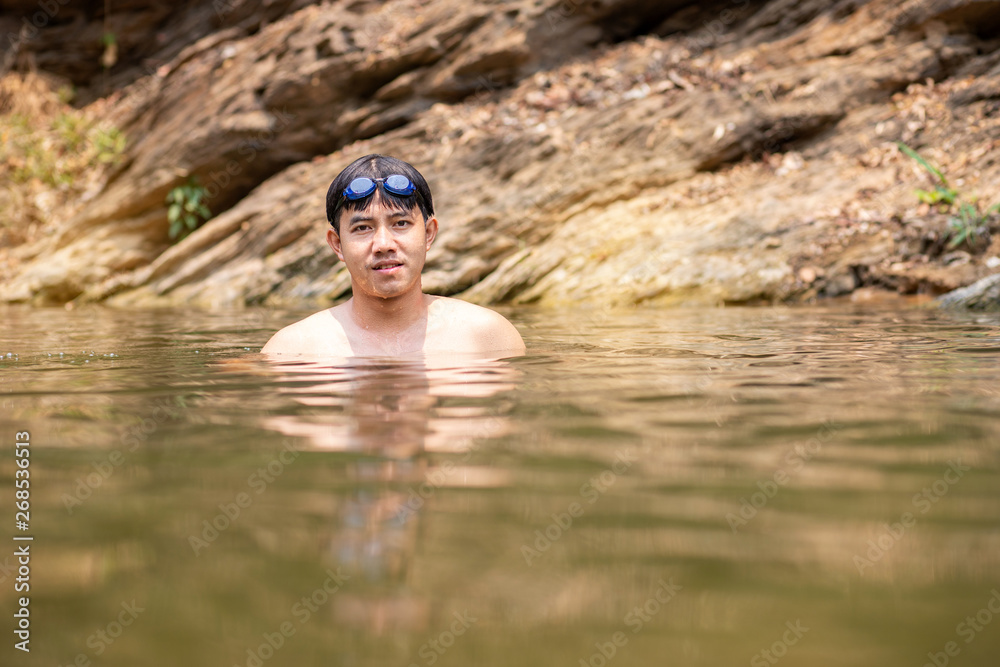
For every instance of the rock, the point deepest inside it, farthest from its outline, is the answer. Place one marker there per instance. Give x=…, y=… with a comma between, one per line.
x=840, y=284
x=66, y=38
x=983, y=294
x=563, y=170
x=232, y=110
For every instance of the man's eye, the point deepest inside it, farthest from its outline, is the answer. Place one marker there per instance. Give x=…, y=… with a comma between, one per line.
x=360, y=228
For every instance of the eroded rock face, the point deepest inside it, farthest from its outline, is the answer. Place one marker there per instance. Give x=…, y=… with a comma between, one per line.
x=67, y=37
x=744, y=154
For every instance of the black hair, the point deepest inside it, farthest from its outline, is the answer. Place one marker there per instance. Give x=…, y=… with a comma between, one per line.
x=377, y=166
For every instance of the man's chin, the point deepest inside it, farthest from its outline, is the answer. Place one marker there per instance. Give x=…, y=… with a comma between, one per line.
x=387, y=291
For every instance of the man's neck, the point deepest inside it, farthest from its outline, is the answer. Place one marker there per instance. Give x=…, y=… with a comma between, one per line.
x=388, y=316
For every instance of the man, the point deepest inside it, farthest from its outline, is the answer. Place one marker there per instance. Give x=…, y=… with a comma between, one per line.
x=383, y=224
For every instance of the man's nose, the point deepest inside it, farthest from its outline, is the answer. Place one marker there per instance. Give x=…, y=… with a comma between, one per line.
x=383, y=239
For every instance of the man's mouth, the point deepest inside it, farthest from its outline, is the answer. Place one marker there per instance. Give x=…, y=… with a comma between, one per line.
x=386, y=265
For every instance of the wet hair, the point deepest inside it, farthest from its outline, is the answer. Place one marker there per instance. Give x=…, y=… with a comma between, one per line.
x=377, y=166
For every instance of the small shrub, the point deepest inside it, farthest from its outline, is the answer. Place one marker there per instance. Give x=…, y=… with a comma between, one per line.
x=971, y=226
x=185, y=210
x=58, y=151
x=110, y=145
x=969, y=223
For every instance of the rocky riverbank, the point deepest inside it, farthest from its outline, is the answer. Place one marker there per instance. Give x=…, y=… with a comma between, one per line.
x=615, y=152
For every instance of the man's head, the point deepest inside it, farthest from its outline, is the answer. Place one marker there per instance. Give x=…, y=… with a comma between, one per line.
x=383, y=224
x=377, y=168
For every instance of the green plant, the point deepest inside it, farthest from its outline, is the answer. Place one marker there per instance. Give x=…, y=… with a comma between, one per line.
x=71, y=130
x=942, y=193
x=971, y=224
x=185, y=209
x=50, y=156
x=110, y=145
x=57, y=150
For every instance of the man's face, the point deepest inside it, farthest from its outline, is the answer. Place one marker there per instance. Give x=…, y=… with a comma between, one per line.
x=384, y=249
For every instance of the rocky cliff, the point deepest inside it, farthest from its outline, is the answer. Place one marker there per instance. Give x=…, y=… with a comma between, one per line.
x=614, y=151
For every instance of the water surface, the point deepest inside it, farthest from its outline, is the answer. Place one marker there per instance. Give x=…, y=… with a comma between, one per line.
x=646, y=487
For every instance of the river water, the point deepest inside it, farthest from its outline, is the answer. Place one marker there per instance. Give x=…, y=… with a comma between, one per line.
x=645, y=487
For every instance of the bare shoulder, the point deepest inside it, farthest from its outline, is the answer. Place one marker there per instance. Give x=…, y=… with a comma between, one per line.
x=468, y=327
x=320, y=333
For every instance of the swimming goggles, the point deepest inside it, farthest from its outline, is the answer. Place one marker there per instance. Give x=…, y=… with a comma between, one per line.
x=362, y=187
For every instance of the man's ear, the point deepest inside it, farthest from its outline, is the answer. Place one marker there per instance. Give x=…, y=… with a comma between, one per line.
x=333, y=240
x=432, y=230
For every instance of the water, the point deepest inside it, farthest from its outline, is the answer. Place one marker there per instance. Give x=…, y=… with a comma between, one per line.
x=650, y=487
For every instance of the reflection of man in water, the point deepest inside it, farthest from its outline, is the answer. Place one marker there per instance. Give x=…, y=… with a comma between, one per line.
x=383, y=224
x=409, y=433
